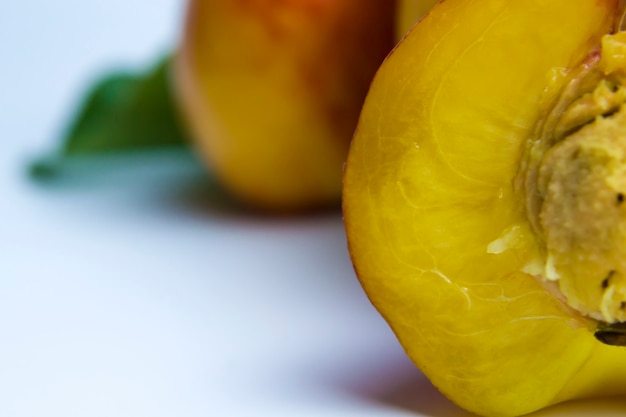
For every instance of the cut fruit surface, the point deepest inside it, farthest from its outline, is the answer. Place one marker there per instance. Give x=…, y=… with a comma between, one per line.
x=435, y=204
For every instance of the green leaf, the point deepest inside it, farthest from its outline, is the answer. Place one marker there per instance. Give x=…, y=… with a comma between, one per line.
x=126, y=111
x=122, y=112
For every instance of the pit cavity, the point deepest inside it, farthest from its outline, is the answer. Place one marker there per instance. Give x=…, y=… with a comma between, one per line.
x=575, y=182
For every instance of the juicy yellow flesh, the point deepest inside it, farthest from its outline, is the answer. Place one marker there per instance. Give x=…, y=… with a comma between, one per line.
x=409, y=12
x=436, y=226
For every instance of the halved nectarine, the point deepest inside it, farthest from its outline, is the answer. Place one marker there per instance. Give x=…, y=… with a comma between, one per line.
x=483, y=200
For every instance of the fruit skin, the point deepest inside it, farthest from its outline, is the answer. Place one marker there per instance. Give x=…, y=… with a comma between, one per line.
x=272, y=91
x=409, y=12
x=436, y=227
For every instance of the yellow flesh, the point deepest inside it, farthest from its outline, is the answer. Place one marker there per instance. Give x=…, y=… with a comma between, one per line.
x=409, y=12
x=438, y=234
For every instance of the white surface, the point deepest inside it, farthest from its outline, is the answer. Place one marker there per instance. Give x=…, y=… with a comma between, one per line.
x=138, y=296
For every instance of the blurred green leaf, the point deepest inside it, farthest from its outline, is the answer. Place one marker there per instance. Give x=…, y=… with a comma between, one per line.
x=127, y=111
x=122, y=112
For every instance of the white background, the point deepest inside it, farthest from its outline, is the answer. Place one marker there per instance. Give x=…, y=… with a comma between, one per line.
x=137, y=293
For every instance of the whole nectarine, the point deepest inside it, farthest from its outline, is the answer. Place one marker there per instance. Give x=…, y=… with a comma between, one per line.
x=272, y=91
